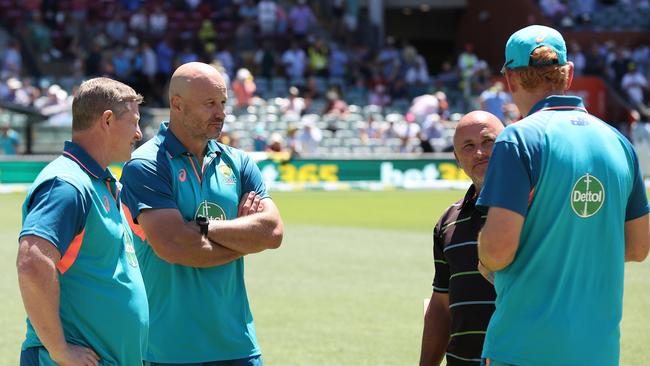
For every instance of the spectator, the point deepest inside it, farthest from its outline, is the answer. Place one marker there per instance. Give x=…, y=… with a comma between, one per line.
x=158, y=22
x=206, y=33
x=275, y=143
x=338, y=62
x=443, y=105
x=423, y=106
x=149, y=62
x=335, y=106
x=301, y=19
x=634, y=84
x=227, y=60
x=578, y=59
x=293, y=145
x=116, y=28
x=12, y=61
x=294, y=61
x=448, y=79
x=294, y=104
x=243, y=88
x=379, y=97
x=9, y=139
x=594, y=61
x=267, y=16
x=248, y=11
x=165, y=58
x=318, y=54
x=282, y=20
x=40, y=37
x=494, y=99
x=467, y=60
x=390, y=60
x=121, y=63
x=370, y=129
x=265, y=59
x=309, y=138
x=139, y=21
x=16, y=93
x=417, y=76
x=618, y=64
x=187, y=55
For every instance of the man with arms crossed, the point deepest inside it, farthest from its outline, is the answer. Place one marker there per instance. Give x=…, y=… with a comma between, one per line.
x=77, y=269
x=462, y=300
x=567, y=208
x=198, y=208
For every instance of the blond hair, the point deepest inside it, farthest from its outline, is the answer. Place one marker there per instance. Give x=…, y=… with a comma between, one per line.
x=98, y=95
x=548, y=75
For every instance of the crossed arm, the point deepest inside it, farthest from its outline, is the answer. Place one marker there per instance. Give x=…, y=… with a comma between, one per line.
x=257, y=227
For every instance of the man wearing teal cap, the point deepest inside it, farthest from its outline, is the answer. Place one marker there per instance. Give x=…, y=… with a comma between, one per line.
x=567, y=207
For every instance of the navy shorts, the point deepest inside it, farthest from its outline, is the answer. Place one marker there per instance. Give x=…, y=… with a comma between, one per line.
x=29, y=357
x=249, y=361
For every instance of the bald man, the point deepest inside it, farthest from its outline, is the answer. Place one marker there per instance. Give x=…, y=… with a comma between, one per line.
x=462, y=300
x=198, y=207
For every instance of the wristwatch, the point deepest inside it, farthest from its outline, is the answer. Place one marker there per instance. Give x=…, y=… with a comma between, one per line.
x=203, y=223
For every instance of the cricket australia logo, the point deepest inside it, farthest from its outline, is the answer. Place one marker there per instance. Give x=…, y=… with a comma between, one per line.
x=129, y=250
x=226, y=172
x=210, y=210
x=587, y=196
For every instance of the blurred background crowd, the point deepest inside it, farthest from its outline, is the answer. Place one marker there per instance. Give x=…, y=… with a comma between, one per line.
x=306, y=76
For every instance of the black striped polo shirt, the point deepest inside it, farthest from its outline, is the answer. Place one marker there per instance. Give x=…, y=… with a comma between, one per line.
x=471, y=297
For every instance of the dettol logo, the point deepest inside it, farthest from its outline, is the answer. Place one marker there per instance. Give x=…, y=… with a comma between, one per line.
x=210, y=210
x=587, y=196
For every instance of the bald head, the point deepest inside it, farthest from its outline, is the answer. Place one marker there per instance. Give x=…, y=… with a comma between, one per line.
x=474, y=120
x=192, y=77
x=197, y=101
x=473, y=140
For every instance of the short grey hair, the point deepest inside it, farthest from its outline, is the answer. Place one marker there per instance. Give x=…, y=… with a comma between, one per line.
x=98, y=95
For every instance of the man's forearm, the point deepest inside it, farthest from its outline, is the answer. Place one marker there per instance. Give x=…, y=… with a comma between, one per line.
x=39, y=287
x=435, y=335
x=248, y=234
x=189, y=248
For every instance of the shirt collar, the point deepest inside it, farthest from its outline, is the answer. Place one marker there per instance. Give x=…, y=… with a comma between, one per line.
x=175, y=147
x=77, y=154
x=470, y=197
x=559, y=102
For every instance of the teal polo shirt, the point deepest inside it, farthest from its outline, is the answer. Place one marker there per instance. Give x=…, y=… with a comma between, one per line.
x=75, y=205
x=576, y=181
x=197, y=314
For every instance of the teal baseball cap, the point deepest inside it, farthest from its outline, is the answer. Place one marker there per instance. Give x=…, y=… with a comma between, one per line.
x=523, y=42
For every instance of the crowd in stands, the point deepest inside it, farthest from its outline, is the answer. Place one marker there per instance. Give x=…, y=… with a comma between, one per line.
x=599, y=15
x=293, y=58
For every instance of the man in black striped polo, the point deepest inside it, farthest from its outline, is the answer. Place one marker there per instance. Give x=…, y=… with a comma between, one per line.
x=462, y=300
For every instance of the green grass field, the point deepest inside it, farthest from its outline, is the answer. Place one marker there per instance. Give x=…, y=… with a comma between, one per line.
x=347, y=285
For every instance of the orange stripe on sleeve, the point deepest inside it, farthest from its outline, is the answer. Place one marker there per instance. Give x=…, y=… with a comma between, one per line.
x=71, y=253
x=137, y=229
x=530, y=196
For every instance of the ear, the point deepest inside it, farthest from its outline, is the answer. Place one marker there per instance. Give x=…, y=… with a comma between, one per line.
x=508, y=75
x=570, y=79
x=175, y=103
x=457, y=161
x=106, y=119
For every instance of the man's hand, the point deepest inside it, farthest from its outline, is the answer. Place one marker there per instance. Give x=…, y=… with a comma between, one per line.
x=74, y=355
x=489, y=276
x=251, y=203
